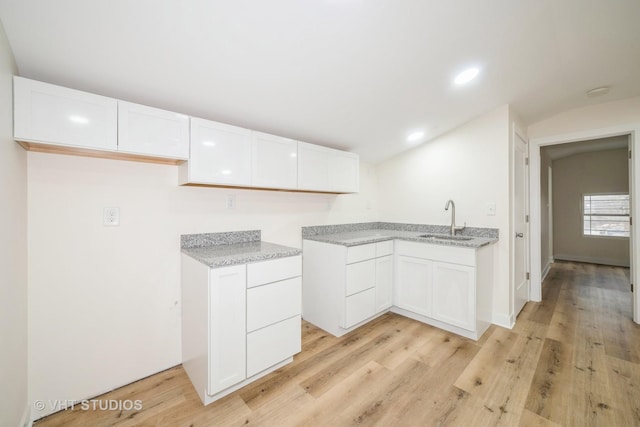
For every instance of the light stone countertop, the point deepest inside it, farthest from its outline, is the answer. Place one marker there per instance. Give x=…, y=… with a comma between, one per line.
x=232, y=248
x=360, y=234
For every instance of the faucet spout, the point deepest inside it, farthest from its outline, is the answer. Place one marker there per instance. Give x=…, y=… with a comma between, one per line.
x=453, y=217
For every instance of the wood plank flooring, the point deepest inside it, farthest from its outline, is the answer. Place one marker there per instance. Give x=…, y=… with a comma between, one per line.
x=571, y=360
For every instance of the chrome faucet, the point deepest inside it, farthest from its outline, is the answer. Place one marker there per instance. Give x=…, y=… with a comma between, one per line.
x=453, y=217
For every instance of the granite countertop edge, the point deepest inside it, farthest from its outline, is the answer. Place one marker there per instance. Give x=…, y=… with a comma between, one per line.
x=380, y=235
x=232, y=248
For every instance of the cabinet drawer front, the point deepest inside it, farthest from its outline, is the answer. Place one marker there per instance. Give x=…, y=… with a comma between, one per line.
x=360, y=276
x=359, y=307
x=261, y=273
x=455, y=255
x=273, y=344
x=274, y=302
x=361, y=253
x=384, y=248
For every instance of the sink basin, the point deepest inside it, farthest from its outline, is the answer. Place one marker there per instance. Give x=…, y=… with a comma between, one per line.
x=444, y=237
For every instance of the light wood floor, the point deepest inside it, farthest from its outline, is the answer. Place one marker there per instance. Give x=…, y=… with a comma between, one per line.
x=571, y=360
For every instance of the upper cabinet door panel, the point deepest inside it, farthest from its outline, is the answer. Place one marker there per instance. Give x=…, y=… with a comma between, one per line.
x=344, y=172
x=147, y=130
x=220, y=153
x=274, y=161
x=50, y=114
x=313, y=167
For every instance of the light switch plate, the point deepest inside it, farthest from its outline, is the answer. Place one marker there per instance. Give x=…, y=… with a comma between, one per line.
x=491, y=209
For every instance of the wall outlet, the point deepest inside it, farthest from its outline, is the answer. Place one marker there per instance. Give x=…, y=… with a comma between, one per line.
x=111, y=217
x=231, y=201
x=491, y=209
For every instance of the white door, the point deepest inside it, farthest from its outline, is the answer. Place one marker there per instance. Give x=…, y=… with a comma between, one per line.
x=147, y=130
x=313, y=167
x=413, y=285
x=274, y=161
x=49, y=114
x=454, y=294
x=520, y=237
x=227, y=327
x=384, y=283
x=344, y=175
x=220, y=153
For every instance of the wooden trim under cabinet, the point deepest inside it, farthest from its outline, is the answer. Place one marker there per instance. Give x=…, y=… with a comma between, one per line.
x=84, y=152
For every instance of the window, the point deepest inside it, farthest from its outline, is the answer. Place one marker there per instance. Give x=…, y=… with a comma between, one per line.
x=606, y=215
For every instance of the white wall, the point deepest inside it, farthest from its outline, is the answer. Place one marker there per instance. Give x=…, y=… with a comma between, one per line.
x=469, y=165
x=105, y=301
x=13, y=254
x=585, y=173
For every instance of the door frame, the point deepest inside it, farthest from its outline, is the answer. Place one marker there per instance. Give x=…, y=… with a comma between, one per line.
x=633, y=131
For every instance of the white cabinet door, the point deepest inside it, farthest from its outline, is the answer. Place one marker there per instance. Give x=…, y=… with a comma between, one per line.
x=220, y=154
x=151, y=131
x=384, y=283
x=454, y=294
x=227, y=327
x=313, y=167
x=49, y=114
x=413, y=285
x=344, y=172
x=274, y=161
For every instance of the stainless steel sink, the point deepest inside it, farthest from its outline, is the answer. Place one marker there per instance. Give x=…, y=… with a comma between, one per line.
x=444, y=237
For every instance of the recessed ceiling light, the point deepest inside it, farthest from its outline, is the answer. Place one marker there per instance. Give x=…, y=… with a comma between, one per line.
x=466, y=76
x=415, y=136
x=599, y=91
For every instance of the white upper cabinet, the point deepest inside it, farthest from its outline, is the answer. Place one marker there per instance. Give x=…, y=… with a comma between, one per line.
x=344, y=172
x=325, y=169
x=49, y=114
x=151, y=131
x=274, y=161
x=220, y=154
x=313, y=167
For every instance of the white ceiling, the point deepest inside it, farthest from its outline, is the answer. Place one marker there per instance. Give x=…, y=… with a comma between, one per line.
x=352, y=74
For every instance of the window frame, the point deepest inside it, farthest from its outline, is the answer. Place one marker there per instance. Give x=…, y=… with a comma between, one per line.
x=610, y=193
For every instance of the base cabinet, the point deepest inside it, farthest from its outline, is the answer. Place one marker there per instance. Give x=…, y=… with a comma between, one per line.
x=414, y=284
x=344, y=287
x=454, y=294
x=448, y=287
x=238, y=323
x=227, y=327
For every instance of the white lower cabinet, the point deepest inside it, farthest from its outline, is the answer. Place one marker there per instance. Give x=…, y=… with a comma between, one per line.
x=384, y=283
x=446, y=286
x=454, y=294
x=272, y=344
x=414, y=284
x=227, y=329
x=238, y=323
x=345, y=286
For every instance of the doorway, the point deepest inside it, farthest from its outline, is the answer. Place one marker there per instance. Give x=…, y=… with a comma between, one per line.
x=537, y=144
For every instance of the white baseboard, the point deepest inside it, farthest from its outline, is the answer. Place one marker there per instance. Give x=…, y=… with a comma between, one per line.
x=504, y=320
x=546, y=269
x=26, y=420
x=592, y=260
